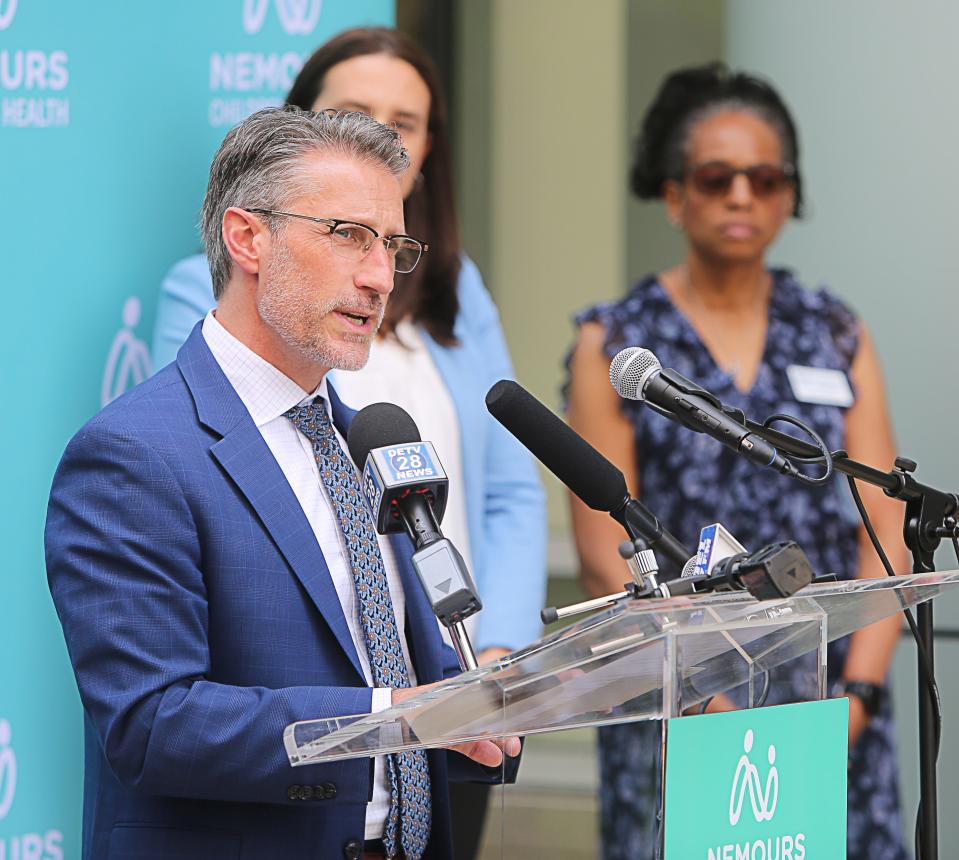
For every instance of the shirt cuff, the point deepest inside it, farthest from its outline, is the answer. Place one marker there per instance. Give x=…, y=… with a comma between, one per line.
x=382, y=699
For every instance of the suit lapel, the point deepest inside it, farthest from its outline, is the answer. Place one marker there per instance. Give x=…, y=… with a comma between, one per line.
x=425, y=644
x=247, y=459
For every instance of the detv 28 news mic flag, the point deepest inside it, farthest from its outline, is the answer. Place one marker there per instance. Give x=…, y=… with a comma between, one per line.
x=407, y=489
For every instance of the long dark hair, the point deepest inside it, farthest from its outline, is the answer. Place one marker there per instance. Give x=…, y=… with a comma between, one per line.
x=428, y=294
x=686, y=96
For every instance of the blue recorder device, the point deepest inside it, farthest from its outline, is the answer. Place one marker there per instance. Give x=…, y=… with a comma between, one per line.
x=407, y=490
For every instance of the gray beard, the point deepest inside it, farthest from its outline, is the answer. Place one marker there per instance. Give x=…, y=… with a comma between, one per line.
x=284, y=303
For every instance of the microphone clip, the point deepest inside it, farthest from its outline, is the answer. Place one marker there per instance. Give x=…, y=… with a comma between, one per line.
x=687, y=386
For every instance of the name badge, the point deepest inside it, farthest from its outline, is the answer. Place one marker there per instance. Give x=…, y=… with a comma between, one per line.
x=821, y=385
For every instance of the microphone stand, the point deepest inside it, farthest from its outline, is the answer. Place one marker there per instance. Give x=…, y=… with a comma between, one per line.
x=462, y=646
x=930, y=517
x=424, y=531
x=643, y=567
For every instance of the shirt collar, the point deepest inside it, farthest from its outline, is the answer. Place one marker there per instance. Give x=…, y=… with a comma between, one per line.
x=266, y=392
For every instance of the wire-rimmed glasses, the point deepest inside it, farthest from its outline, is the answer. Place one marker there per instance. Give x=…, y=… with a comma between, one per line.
x=354, y=241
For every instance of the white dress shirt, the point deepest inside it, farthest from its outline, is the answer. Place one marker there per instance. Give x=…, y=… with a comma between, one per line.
x=268, y=394
x=403, y=372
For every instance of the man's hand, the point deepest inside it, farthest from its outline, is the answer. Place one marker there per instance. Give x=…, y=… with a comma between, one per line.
x=489, y=753
x=491, y=655
x=486, y=753
x=717, y=704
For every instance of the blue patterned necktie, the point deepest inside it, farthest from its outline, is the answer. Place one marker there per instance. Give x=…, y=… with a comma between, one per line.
x=410, y=808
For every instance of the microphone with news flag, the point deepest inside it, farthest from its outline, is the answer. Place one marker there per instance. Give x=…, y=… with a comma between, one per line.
x=407, y=490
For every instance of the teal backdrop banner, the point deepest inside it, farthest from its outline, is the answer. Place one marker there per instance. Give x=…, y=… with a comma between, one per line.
x=761, y=784
x=110, y=113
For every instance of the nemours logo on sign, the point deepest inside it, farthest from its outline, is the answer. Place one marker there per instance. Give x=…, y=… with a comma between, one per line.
x=128, y=362
x=297, y=17
x=6, y=14
x=763, y=799
x=37, y=846
x=8, y=770
x=242, y=82
x=747, y=780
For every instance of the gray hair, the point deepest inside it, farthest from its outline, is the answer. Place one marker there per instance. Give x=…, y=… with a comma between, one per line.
x=677, y=154
x=259, y=165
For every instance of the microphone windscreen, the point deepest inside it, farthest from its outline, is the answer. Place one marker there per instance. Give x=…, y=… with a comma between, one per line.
x=377, y=426
x=559, y=448
x=629, y=370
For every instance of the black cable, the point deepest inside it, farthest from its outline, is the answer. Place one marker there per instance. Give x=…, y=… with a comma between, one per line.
x=762, y=696
x=825, y=457
x=920, y=646
x=767, y=684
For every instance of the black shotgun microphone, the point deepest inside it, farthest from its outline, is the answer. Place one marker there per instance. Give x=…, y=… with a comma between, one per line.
x=636, y=374
x=578, y=464
x=406, y=488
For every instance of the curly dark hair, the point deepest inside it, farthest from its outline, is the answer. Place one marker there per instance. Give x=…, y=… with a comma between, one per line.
x=428, y=294
x=687, y=96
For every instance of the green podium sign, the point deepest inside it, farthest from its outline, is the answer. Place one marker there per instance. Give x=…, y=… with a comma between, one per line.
x=760, y=784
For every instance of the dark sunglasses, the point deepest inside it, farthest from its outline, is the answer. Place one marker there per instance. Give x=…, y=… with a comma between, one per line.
x=715, y=178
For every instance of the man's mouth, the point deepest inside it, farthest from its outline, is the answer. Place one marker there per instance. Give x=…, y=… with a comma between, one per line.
x=362, y=320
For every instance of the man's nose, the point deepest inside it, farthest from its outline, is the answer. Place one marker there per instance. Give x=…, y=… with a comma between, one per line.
x=376, y=270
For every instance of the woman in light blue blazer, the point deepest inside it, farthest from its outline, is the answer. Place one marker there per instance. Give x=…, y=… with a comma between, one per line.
x=440, y=349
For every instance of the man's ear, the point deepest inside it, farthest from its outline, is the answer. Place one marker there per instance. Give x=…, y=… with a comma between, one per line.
x=244, y=235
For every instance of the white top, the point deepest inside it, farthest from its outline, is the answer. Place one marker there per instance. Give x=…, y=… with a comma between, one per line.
x=403, y=372
x=268, y=394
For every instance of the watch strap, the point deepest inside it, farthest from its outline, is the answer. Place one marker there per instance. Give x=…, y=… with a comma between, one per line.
x=868, y=693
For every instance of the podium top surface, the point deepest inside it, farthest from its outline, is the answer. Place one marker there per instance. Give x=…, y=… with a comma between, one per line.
x=628, y=662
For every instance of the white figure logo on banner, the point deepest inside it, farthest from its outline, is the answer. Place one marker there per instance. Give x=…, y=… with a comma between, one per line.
x=128, y=363
x=8, y=770
x=763, y=801
x=6, y=17
x=297, y=17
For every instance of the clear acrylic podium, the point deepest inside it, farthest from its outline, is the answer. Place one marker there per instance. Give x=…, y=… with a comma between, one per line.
x=637, y=660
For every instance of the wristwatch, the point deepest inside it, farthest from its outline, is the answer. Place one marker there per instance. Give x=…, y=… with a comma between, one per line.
x=868, y=693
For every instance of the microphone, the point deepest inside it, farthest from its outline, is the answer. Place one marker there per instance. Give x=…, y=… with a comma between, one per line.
x=636, y=374
x=407, y=490
x=578, y=465
x=716, y=543
x=775, y=571
x=402, y=477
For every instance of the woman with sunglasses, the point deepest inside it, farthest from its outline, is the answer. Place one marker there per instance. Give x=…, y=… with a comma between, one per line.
x=439, y=350
x=721, y=151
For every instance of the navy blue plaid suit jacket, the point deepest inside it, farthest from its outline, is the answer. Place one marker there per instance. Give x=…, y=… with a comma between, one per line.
x=201, y=619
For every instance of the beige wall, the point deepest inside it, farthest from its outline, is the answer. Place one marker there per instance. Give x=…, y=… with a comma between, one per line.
x=548, y=215
x=663, y=35
x=549, y=96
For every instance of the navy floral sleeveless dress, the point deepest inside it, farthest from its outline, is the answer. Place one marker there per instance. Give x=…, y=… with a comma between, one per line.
x=689, y=480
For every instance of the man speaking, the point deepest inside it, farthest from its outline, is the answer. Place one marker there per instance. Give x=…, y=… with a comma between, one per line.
x=213, y=564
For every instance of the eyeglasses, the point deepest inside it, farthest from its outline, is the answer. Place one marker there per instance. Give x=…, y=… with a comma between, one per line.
x=353, y=241
x=715, y=178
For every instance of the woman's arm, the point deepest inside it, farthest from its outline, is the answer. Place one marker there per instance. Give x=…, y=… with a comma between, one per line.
x=594, y=412
x=186, y=295
x=869, y=439
x=512, y=575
